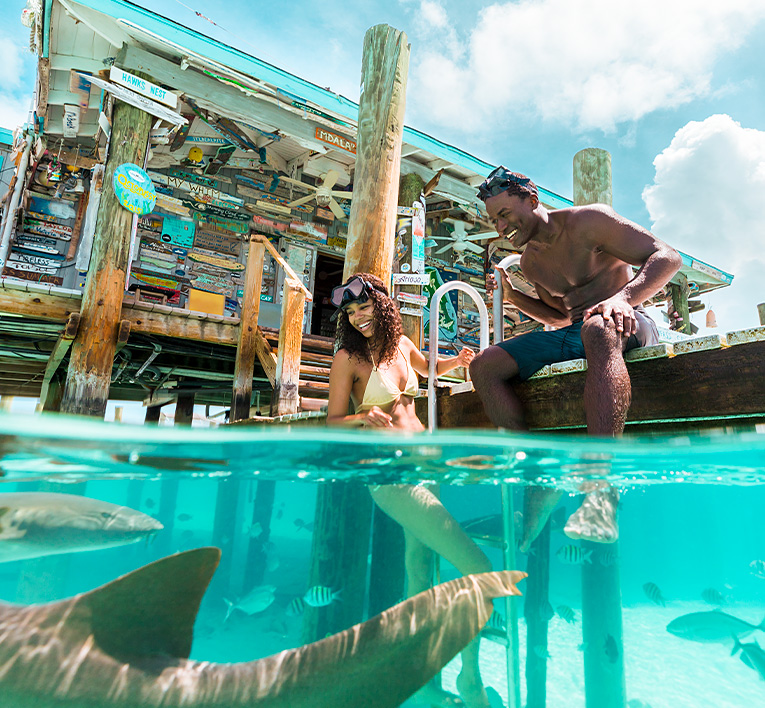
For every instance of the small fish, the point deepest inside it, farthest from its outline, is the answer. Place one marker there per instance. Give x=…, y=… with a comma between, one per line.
x=566, y=613
x=546, y=612
x=279, y=514
x=574, y=555
x=150, y=504
x=712, y=626
x=612, y=651
x=751, y=654
x=295, y=608
x=654, y=594
x=184, y=517
x=321, y=596
x=496, y=621
x=257, y=600
x=303, y=525
x=757, y=568
x=253, y=530
x=541, y=652
x=608, y=557
x=558, y=519
x=713, y=597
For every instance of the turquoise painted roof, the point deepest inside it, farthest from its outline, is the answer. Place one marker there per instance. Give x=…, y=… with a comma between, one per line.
x=302, y=89
x=6, y=136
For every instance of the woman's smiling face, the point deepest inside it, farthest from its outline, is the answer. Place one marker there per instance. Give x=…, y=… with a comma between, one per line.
x=361, y=316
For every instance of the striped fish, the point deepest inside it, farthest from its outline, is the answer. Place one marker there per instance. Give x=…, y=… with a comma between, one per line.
x=546, y=612
x=608, y=557
x=574, y=555
x=566, y=613
x=713, y=597
x=295, y=608
x=321, y=596
x=496, y=621
x=654, y=594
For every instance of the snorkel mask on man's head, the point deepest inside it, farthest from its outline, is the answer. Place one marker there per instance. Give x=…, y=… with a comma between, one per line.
x=355, y=290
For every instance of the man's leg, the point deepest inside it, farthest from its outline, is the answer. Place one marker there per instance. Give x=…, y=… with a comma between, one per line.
x=491, y=371
x=607, y=396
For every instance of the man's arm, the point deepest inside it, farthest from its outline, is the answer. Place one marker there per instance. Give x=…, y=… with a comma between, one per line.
x=532, y=306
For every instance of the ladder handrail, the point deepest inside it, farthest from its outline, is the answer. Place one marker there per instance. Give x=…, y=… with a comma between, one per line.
x=498, y=313
x=435, y=303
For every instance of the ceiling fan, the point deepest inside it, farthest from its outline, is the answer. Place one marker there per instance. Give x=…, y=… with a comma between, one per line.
x=323, y=193
x=461, y=241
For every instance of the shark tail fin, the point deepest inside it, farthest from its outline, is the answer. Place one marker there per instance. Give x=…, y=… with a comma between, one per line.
x=736, y=645
x=761, y=625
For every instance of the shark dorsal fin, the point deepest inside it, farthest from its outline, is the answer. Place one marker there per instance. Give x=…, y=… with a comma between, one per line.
x=151, y=611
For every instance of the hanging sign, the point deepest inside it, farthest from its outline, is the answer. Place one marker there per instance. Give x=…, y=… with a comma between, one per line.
x=135, y=99
x=338, y=141
x=134, y=190
x=411, y=278
x=71, y=120
x=142, y=86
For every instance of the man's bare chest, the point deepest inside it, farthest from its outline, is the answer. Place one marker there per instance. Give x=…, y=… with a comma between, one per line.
x=562, y=265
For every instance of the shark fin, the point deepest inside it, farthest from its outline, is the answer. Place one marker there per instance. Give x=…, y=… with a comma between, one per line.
x=151, y=611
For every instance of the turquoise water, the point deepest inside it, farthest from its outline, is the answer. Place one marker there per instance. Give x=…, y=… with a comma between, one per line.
x=691, y=525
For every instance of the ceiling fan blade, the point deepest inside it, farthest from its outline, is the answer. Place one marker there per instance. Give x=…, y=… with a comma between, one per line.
x=473, y=247
x=483, y=236
x=341, y=195
x=337, y=210
x=444, y=249
x=302, y=200
x=330, y=179
x=297, y=182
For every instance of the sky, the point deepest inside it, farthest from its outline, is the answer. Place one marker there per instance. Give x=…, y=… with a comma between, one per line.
x=673, y=89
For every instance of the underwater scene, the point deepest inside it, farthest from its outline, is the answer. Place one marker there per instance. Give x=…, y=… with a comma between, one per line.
x=671, y=615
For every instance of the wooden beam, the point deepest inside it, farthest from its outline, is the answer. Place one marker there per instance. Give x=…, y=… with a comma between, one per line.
x=60, y=348
x=372, y=222
x=678, y=298
x=90, y=364
x=286, y=397
x=703, y=387
x=283, y=263
x=43, y=76
x=123, y=334
x=246, y=350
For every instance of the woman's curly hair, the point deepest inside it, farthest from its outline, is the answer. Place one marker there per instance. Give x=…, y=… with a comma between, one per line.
x=387, y=325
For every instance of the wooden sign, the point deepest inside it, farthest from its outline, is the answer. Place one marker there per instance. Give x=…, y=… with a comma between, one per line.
x=216, y=224
x=273, y=207
x=33, y=276
x=324, y=214
x=217, y=261
x=336, y=140
x=412, y=298
x=71, y=120
x=412, y=311
x=154, y=280
x=36, y=250
x=217, y=242
x=213, y=210
x=411, y=278
x=142, y=86
x=137, y=100
x=49, y=229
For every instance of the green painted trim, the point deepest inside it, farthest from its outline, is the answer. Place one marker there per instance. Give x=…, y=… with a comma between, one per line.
x=47, y=11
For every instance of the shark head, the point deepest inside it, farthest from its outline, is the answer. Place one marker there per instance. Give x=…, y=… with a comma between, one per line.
x=127, y=644
x=34, y=524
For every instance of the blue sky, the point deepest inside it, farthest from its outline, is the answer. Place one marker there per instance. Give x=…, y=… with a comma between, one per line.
x=672, y=88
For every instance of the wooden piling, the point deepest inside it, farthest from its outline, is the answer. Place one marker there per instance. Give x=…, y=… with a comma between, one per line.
x=761, y=313
x=248, y=331
x=604, y=683
x=90, y=365
x=678, y=290
x=536, y=612
x=285, y=398
x=372, y=222
x=343, y=511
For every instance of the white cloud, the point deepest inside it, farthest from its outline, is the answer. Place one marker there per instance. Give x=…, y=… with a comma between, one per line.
x=706, y=200
x=14, y=110
x=11, y=61
x=583, y=63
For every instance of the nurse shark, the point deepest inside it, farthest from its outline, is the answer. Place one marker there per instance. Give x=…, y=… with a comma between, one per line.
x=126, y=645
x=34, y=524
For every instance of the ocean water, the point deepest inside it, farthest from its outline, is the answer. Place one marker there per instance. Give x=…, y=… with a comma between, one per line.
x=690, y=519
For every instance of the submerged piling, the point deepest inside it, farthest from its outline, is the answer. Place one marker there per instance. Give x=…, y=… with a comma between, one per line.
x=604, y=684
x=537, y=618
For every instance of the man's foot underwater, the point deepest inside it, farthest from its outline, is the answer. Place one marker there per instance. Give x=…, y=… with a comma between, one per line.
x=595, y=519
x=433, y=695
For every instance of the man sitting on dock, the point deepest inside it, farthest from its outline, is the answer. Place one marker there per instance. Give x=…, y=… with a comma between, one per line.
x=579, y=260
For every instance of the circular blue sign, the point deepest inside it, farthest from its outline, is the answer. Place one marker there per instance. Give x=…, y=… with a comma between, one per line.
x=134, y=189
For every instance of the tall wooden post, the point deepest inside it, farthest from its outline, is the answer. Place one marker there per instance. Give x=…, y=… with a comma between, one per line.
x=678, y=291
x=90, y=365
x=248, y=327
x=286, y=397
x=604, y=684
x=343, y=511
x=761, y=313
x=372, y=222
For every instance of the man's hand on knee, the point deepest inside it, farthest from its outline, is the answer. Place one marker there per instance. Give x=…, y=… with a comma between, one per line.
x=615, y=310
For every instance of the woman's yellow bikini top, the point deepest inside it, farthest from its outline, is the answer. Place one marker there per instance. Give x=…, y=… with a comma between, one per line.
x=381, y=392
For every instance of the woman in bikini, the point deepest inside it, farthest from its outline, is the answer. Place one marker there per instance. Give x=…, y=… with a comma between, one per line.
x=376, y=368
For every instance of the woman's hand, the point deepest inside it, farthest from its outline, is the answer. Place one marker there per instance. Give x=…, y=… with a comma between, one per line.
x=376, y=417
x=465, y=356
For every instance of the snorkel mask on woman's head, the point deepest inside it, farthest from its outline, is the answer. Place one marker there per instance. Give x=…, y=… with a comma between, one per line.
x=355, y=290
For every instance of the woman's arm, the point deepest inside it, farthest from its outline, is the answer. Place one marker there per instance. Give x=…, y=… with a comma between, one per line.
x=420, y=362
x=341, y=377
